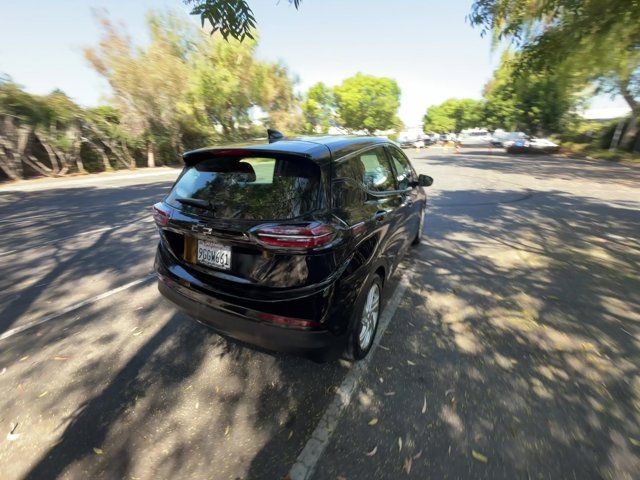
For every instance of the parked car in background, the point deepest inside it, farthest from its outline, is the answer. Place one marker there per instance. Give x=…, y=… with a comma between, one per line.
x=500, y=137
x=289, y=245
x=532, y=145
x=476, y=137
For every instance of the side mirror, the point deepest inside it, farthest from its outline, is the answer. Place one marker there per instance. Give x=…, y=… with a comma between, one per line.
x=425, y=180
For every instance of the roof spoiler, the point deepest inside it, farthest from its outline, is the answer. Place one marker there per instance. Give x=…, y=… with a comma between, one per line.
x=274, y=135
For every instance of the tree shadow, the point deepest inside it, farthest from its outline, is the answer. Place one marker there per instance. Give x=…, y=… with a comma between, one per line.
x=522, y=325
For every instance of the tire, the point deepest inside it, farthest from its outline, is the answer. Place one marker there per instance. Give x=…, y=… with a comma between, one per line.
x=366, y=319
x=418, y=237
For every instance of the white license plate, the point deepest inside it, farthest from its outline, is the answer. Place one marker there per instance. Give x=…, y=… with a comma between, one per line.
x=214, y=255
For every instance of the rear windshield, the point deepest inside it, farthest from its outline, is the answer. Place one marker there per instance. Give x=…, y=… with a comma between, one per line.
x=252, y=188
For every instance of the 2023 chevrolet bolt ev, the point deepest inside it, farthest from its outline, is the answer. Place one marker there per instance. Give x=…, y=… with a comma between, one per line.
x=288, y=245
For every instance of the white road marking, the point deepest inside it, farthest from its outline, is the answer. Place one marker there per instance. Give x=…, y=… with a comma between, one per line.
x=75, y=306
x=306, y=462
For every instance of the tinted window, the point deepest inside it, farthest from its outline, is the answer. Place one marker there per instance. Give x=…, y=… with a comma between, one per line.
x=260, y=188
x=403, y=168
x=369, y=169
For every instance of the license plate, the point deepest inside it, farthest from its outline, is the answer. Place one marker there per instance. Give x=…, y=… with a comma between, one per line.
x=214, y=255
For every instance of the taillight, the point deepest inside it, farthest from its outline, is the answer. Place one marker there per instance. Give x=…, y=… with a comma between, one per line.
x=161, y=214
x=295, y=236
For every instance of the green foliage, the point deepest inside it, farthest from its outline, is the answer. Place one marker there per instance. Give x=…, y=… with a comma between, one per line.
x=538, y=103
x=589, y=39
x=188, y=88
x=453, y=115
x=318, y=108
x=232, y=18
x=368, y=103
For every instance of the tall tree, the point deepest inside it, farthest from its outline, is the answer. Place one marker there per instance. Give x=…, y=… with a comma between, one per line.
x=594, y=39
x=368, y=103
x=149, y=83
x=453, y=115
x=318, y=108
x=538, y=103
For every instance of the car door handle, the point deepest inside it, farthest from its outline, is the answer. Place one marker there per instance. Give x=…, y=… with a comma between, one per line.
x=380, y=215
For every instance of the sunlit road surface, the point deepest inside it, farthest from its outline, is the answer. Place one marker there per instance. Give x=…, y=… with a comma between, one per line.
x=514, y=352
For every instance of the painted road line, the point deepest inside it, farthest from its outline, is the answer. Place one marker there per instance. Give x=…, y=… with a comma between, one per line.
x=75, y=306
x=306, y=462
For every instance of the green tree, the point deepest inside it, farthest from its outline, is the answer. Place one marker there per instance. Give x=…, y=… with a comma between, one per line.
x=318, y=108
x=539, y=103
x=368, y=103
x=149, y=84
x=594, y=40
x=453, y=115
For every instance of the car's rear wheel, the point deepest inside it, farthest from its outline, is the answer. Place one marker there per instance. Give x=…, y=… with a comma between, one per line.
x=418, y=237
x=367, y=315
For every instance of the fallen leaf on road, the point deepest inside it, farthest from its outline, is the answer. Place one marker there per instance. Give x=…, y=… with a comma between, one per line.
x=451, y=390
x=399, y=444
x=383, y=347
x=372, y=452
x=60, y=358
x=424, y=405
x=634, y=442
x=12, y=436
x=226, y=431
x=290, y=435
x=417, y=455
x=479, y=456
x=24, y=358
x=381, y=380
x=410, y=362
x=3, y=371
x=43, y=394
x=407, y=465
x=388, y=394
x=373, y=421
x=98, y=451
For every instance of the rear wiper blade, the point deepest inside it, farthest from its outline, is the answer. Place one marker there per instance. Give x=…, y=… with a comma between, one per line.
x=195, y=202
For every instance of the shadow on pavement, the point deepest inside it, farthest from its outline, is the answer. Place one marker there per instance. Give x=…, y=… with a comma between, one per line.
x=522, y=326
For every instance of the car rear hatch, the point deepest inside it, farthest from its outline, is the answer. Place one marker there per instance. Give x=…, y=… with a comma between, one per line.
x=250, y=222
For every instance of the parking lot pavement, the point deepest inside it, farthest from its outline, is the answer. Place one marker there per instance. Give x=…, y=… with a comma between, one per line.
x=514, y=350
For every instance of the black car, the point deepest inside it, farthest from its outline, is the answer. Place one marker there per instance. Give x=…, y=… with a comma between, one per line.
x=288, y=245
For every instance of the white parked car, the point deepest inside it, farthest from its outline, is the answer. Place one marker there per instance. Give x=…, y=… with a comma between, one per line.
x=532, y=145
x=475, y=137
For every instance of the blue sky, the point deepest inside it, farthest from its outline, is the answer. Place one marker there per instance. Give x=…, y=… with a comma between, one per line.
x=426, y=45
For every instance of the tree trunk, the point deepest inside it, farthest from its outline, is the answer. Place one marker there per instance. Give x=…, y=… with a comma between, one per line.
x=632, y=127
x=127, y=154
x=151, y=156
x=615, y=140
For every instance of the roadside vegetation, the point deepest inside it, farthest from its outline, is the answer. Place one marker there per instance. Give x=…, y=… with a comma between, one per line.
x=559, y=54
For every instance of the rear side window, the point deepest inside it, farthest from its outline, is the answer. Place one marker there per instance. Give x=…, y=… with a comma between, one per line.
x=252, y=188
x=403, y=168
x=370, y=169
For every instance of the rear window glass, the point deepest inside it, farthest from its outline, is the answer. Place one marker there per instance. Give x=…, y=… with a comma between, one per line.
x=256, y=188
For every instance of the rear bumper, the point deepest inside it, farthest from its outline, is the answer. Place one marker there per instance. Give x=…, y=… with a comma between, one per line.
x=317, y=344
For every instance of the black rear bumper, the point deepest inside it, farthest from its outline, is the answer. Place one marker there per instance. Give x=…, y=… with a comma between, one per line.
x=316, y=344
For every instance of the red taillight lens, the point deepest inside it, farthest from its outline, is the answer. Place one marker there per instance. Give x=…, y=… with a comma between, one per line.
x=296, y=236
x=288, y=321
x=161, y=214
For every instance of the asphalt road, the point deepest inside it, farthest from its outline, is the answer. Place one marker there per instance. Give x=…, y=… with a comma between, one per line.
x=514, y=352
